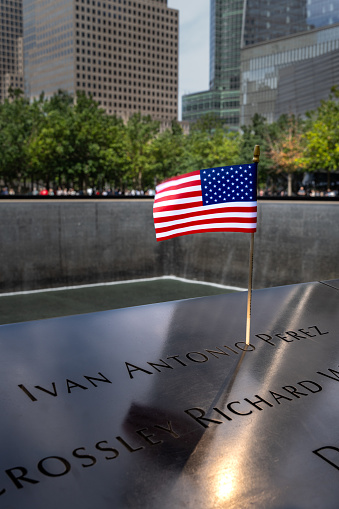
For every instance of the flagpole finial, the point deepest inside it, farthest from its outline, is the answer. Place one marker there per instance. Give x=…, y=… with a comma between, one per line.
x=256, y=154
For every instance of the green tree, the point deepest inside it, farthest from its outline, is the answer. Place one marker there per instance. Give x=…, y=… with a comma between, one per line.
x=207, y=123
x=99, y=148
x=50, y=144
x=168, y=153
x=76, y=143
x=15, y=129
x=259, y=132
x=286, y=151
x=140, y=131
x=218, y=148
x=322, y=137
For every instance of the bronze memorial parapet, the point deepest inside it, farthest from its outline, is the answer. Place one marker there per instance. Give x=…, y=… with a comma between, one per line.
x=165, y=406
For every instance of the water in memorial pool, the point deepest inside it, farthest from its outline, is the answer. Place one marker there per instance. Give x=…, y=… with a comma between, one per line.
x=51, y=303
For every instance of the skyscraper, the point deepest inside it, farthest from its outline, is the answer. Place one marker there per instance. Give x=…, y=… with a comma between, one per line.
x=237, y=24
x=222, y=99
x=122, y=52
x=11, y=63
x=265, y=20
x=292, y=75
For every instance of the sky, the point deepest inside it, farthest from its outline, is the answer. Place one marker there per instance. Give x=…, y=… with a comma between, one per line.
x=194, y=30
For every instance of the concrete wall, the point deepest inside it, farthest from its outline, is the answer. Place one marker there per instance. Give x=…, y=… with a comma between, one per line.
x=56, y=243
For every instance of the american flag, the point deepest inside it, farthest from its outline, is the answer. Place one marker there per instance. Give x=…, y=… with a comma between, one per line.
x=222, y=199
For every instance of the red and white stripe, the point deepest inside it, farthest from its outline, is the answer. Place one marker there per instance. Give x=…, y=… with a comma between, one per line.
x=178, y=210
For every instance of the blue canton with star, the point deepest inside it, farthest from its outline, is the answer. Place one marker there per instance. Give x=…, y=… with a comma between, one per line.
x=226, y=184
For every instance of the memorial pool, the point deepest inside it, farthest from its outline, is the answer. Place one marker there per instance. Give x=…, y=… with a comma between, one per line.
x=52, y=303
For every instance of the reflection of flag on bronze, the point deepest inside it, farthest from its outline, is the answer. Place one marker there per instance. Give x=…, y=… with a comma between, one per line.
x=220, y=199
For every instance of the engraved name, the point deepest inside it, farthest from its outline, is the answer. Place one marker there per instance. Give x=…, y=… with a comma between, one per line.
x=171, y=362
x=219, y=352
x=155, y=434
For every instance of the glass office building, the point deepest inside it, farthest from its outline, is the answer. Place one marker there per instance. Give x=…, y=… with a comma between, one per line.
x=11, y=58
x=122, y=52
x=236, y=25
x=266, y=20
x=223, y=98
x=321, y=13
x=290, y=76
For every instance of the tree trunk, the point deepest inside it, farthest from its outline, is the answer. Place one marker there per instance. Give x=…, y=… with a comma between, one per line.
x=289, y=184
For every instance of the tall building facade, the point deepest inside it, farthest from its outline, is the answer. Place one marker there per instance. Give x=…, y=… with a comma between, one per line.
x=122, y=52
x=292, y=75
x=236, y=25
x=11, y=54
x=223, y=97
x=265, y=20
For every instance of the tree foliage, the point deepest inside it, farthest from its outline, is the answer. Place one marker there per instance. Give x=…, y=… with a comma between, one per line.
x=322, y=136
x=71, y=141
x=287, y=149
x=15, y=129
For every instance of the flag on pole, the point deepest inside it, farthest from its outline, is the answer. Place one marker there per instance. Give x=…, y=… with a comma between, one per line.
x=222, y=199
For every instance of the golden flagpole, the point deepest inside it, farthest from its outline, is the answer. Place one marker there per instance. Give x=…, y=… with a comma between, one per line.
x=250, y=272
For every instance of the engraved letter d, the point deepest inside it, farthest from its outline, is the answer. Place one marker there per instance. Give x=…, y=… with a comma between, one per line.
x=330, y=461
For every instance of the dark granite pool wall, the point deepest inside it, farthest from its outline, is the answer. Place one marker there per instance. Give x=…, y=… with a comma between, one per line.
x=51, y=243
